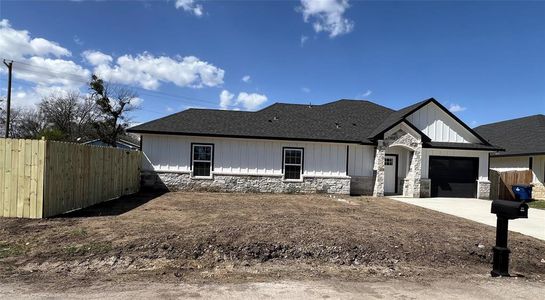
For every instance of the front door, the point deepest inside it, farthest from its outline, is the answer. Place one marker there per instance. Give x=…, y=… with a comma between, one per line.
x=390, y=163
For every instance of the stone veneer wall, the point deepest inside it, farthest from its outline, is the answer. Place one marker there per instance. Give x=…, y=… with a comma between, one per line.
x=538, y=191
x=245, y=184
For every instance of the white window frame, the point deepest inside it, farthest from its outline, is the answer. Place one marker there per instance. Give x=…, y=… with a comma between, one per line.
x=300, y=165
x=193, y=160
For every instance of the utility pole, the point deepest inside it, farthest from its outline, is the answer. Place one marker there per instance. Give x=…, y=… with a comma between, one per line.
x=8, y=104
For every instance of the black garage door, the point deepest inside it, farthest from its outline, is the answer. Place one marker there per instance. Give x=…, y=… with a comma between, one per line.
x=453, y=176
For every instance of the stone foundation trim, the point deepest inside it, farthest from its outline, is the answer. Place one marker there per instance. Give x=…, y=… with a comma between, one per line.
x=245, y=184
x=483, y=189
x=425, y=188
x=538, y=191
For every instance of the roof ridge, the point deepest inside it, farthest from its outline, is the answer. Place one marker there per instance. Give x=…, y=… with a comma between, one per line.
x=512, y=120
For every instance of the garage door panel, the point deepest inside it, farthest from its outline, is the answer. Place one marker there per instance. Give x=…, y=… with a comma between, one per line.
x=453, y=176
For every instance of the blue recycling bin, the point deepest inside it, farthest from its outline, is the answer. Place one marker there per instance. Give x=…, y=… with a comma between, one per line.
x=522, y=192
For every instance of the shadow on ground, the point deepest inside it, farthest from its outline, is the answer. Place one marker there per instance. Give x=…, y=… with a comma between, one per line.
x=115, y=207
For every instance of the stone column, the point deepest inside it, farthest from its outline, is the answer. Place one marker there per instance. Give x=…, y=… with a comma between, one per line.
x=483, y=189
x=412, y=185
x=378, y=169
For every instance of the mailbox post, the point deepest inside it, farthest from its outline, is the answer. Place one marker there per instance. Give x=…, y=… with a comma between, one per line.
x=505, y=211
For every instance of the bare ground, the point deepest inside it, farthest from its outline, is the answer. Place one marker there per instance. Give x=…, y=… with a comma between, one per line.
x=218, y=238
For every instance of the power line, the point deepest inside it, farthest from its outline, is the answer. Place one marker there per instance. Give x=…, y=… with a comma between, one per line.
x=83, y=79
x=20, y=82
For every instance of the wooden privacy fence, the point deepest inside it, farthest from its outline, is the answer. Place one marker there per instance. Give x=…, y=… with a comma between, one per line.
x=502, y=182
x=41, y=178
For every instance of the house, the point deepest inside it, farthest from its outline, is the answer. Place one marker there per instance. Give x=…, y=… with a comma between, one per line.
x=524, y=142
x=123, y=144
x=346, y=146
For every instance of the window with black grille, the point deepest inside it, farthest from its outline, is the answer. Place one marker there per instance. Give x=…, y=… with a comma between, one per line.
x=293, y=163
x=202, y=160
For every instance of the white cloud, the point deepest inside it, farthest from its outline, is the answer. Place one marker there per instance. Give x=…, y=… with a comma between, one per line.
x=51, y=71
x=17, y=44
x=96, y=58
x=77, y=40
x=226, y=99
x=246, y=78
x=38, y=60
x=25, y=97
x=304, y=39
x=327, y=16
x=137, y=102
x=456, y=108
x=190, y=6
x=247, y=101
x=149, y=71
x=250, y=101
x=365, y=94
x=305, y=90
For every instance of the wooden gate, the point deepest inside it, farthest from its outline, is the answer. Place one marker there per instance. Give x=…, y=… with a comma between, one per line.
x=502, y=182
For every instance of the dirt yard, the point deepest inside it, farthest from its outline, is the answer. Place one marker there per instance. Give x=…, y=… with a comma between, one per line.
x=237, y=238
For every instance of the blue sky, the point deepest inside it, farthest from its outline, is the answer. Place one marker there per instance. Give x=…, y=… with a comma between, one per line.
x=484, y=59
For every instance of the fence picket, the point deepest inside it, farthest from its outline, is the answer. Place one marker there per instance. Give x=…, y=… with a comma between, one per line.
x=41, y=178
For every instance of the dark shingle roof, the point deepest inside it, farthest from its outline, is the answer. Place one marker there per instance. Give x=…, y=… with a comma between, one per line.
x=521, y=136
x=347, y=121
x=339, y=121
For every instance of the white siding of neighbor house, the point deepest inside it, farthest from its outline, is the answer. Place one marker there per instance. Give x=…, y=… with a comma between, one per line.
x=361, y=159
x=520, y=163
x=439, y=126
x=243, y=156
x=482, y=155
x=511, y=163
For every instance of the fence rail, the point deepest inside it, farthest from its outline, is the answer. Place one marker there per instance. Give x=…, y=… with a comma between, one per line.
x=41, y=178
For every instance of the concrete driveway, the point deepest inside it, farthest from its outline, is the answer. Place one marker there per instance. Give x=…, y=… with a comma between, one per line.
x=479, y=211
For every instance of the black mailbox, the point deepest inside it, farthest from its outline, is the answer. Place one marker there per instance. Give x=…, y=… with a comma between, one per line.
x=510, y=209
x=504, y=210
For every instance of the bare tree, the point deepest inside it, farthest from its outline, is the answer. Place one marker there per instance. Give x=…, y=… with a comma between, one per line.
x=71, y=114
x=26, y=123
x=114, y=103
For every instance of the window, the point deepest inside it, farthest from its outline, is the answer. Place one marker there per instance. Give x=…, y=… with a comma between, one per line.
x=388, y=161
x=202, y=160
x=293, y=163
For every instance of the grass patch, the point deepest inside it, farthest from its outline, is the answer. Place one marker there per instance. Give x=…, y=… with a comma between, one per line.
x=90, y=248
x=78, y=232
x=9, y=250
x=539, y=204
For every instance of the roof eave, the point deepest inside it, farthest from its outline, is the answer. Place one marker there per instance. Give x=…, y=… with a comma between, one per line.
x=142, y=131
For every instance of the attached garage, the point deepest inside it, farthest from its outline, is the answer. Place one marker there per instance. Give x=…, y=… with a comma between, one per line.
x=453, y=176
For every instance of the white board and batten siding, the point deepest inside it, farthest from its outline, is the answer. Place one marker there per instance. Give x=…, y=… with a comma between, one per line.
x=482, y=155
x=360, y=160
x=439, y=126
x=235, y=156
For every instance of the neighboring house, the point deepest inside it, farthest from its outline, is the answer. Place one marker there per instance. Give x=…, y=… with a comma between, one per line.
x=524, y=143
x=123, y=144
x=346, y=146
